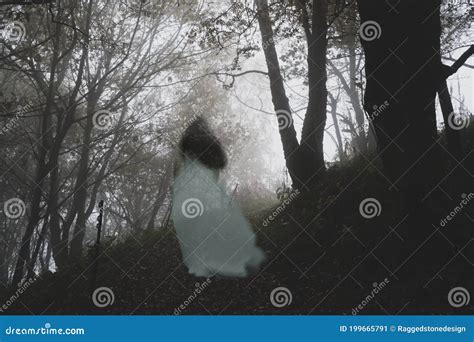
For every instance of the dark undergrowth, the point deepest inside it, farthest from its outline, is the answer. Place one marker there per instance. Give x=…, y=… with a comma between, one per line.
x=319, y=247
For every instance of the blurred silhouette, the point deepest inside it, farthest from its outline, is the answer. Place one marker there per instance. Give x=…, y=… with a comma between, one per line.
x=214, y=236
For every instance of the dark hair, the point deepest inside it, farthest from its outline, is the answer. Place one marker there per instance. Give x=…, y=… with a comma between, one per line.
x=199, y=143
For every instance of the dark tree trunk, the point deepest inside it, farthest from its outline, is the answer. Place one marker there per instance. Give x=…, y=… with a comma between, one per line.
x=453, y=137
x=37, y=250
x=42, y=169
x=403, y=67
x=59, y=244
x=304, y=160
x=80, y=188
x=355, y=101
x=315, y=120
x=340, y=144
x=163, y=190
x=280, y=100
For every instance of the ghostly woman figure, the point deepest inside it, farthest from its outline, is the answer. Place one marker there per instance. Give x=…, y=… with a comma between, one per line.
x=214, y=236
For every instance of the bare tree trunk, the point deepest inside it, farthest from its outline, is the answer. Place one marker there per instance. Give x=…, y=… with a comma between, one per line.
x=59, y=244
x=164, y=186
x=81, y=182
x=42, y=169
x=47, y=259
x=452, y=135
x=315, y=119
x=408, y=80
x=351, y=90
x=39, y=243
x=340, y=144
x=280, y=101
x=355, y=101
x=304, y=160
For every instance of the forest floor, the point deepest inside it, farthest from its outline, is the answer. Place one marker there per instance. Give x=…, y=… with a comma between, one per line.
x=320, y=248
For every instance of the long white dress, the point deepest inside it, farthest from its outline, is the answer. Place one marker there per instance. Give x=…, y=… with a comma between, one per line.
x=214, y=236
